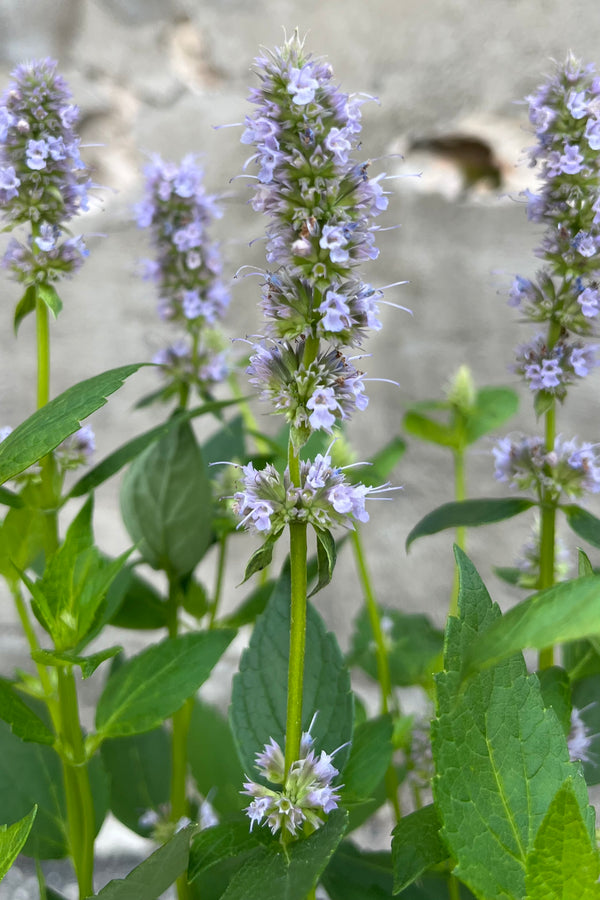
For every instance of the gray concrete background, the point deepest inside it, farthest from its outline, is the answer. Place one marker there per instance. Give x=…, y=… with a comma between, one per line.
x=156, y=76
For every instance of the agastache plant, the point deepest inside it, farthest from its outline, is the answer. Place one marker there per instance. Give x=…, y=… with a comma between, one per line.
x=565, y=112
x=187, y=271
x=320, y=202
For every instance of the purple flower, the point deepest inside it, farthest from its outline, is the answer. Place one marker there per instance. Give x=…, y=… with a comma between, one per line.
x=524, y=463
x=8, y=184
x=302, y=85
x=589, y=300
x=36, y=154
x=571, y=162
x=592, y=133
x=577, y=104
x=585, y=244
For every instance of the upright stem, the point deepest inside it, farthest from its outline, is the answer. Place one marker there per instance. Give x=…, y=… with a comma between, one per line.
x=298, y=554
x=460, y=493
x=43, y=353
x=80, y=804
x=219, y=580
x=180, y=722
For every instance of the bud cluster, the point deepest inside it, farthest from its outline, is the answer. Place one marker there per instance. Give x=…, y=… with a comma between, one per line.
x=43, y=180
x=186, y=269
x=306, y=794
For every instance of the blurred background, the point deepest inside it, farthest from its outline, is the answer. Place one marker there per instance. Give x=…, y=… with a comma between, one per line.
x=449, y=77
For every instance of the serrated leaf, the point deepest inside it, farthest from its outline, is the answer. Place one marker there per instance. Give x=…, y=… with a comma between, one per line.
x=469, y=513
x=500, y=756
x=370, y=756
x=12, y=840
x=565, y=612
x=139, y=772
x=563, y=864
x=154, y=684
x=354, y=874
x=270, y=874
x=583, y=523
x=23, y=722
x=166, y=502
x=326, y=557
x=25, y=306
x=259, y=698
x=493, y=407
x=87, y=664
x=47, y=427
x=427, y=429
x=153, y=876
x=124, y=454
x=213, y=759
x=416, y=846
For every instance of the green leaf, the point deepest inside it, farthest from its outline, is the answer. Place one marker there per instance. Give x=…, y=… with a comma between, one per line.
x=469, y=513
x=9, y=498
x=47, y=294
x=166, y=502
x=427, y=429
x=583, y=523
x=566, y=612
x=12, y=840
x=556, y=694
x=138, y=605
x=22, y=534
x=88, y=664
x=500, y=756
x=370, y=756
x=226, y=444
x=154, y=684
x=509, y=574
x=23, y=722
x=326, y=557
x=584, y=566
x=68, y=597
x=270, y=874
x=259, y=698
x=543, y=401
x=354, y=874
x=380, y=465
x=416, y=846
x=262, y=557
x=26, y=305
x=563, y=864
x=48, y=426
x=213, y=845
x=413, y=646
x=153, y=876
x=124, y=454
x=493, y=407
x=213, y=759
x=139, y=772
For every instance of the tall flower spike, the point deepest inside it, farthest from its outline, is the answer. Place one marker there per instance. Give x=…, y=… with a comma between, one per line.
x=186, y=269
x=43, y=180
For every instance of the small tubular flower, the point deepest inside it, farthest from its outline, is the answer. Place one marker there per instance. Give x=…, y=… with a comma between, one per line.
x=553, y=369
x=524, y=463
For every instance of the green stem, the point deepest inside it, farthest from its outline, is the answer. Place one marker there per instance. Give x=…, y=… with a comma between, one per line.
x=298, y=554
x=45, y=681
x=80, y=804
x=453, y=887
x=460, y=493
x=43, y=353
x=548, y=516
x=219, y=580
x=180, y=722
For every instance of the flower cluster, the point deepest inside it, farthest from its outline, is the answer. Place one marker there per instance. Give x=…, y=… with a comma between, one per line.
x=570, y=468
x=323, y=498
x=528, y=563
x=186, y=269
x=553, y=369
x=320, y=201
x=307, y=794
x=316, y=396
x=43, y=180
